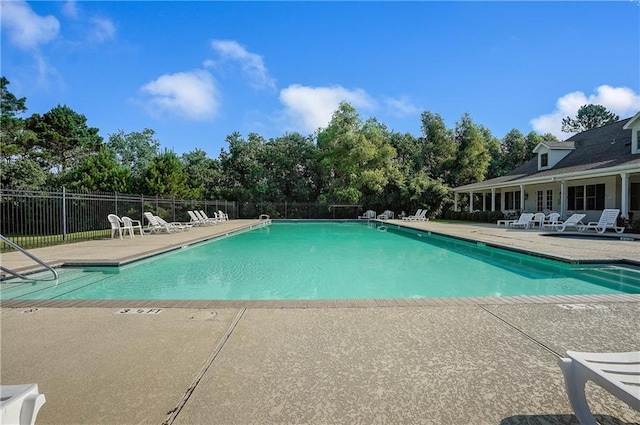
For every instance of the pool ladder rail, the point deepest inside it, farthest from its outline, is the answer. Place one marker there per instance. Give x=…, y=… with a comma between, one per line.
x=28, y=254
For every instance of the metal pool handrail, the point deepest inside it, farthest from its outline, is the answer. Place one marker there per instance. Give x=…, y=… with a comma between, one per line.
x=28, y=254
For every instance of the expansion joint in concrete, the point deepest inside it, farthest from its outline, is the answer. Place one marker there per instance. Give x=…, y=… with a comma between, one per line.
x=173, y=414
x=520, y=331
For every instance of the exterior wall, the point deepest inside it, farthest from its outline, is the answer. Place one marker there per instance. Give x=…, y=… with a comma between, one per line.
x=612, y=197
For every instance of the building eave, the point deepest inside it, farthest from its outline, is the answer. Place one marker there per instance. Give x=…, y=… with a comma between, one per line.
x=574, y=175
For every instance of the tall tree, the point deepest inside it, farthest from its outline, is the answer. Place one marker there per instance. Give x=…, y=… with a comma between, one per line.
x=355, y=157
x=135, y=151
x=439, y=146
x=290, y=170
x=588, y=117
x=62, y=138
x=243, y=177
x=165, y=177
x=99, y=172
x=472, y=159
x=203, y=174
x=11, y=125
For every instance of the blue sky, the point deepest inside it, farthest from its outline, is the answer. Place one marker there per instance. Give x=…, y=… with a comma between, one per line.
x=197, y=71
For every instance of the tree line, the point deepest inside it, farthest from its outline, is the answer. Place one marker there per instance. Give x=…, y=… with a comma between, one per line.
x=350, y=161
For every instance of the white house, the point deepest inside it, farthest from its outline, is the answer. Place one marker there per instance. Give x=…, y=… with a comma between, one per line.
x=590, y=171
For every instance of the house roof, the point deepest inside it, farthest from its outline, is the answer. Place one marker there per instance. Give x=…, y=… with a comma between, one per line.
x=598, y=150
x=553, y=145
x=632, y=121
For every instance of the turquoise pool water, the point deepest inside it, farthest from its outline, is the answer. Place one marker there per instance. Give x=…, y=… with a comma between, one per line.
x=331, y=261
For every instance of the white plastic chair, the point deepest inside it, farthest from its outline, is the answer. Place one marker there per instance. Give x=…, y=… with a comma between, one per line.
x=538, y=219
x=618, y=373
x=19, y=404
x=129, y=225
x=116, y=225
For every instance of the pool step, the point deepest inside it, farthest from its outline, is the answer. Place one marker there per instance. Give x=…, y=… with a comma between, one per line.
x=619, y=278
x=68, y=281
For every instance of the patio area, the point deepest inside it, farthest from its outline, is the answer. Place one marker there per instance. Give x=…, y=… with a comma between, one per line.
x=454, y=361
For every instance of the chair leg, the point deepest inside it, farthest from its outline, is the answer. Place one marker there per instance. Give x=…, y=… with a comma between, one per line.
x=575, y=381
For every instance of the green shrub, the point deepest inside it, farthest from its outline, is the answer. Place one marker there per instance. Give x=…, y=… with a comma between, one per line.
x=635, y=224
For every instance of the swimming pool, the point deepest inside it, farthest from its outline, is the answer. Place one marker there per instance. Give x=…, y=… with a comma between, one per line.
x=331, y=261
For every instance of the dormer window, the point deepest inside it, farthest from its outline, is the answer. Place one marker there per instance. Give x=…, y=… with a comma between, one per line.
x=544, y=160
x=552, y=152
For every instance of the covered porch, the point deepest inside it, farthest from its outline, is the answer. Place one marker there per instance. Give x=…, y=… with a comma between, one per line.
x=585, y=193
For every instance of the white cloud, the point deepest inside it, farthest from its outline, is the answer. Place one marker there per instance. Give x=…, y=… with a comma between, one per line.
x=401, y=107
x=102, y=29
x=70, y=9
x=622, y=101
x=25, y=28
x=310, y=108
x=252, y=64
x=192, y=95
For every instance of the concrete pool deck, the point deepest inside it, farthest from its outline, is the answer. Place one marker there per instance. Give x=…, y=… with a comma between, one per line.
x=488, y=361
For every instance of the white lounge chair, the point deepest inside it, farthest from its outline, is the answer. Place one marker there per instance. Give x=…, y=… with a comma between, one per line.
x=618, y=373
x=368, y=215
x=386, y=215
x=129, y=225
x=204, y=217
x=411, y=217
x=420, y=215
x=213, y=219
x=525, y=221
x=116, y=225
x=175, y=225
x=608, y=220
x=155, y=226
x=19, y=404
x=551, y=220
x=222, y=216
x=195, y=221
x=574, y=221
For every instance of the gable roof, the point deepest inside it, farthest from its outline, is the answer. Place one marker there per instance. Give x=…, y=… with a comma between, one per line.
x=596, y=151
x=553, y=145
x=632, y=121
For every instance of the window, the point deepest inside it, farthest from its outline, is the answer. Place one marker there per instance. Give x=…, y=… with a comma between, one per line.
x=512, y=200
x=544, y=160
x=586, y=198
x=544, y=200
x=638, y=141
x=539, y=199
x=634, y=199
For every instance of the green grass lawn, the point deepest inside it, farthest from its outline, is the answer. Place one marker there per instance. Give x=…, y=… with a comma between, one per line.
x=37, y=241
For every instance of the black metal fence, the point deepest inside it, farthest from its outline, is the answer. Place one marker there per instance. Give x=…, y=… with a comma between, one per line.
x=43, y=218
x=299, y=210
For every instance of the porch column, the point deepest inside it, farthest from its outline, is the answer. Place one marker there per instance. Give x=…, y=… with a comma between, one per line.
x=624, y=199
x=470, y=201
x=455, y=201
x=484, y=201
x=493, y=199
x=522, y=208
x=563, y=199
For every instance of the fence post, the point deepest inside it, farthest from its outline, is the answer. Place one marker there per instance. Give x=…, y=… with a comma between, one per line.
x=142, y=207
x=64, y=214
x=116, y=196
